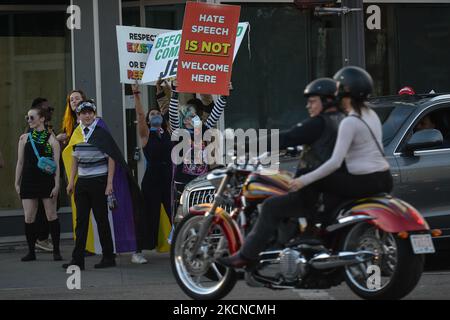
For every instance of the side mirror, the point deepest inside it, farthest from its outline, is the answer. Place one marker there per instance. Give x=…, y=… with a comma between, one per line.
x=427, y=138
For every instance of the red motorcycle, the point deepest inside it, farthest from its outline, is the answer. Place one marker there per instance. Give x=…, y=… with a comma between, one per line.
x=376, y=245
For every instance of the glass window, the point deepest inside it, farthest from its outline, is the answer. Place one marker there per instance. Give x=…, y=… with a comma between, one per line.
x=392, y=117
x=270, y=71
x=35, y=62
x=410, y=49
x=438, y=119
x=424, y=47
x=381, y=52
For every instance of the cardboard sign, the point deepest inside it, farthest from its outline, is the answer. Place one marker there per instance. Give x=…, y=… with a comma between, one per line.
x=163, y=59
x=134, y=46
x=206, y=49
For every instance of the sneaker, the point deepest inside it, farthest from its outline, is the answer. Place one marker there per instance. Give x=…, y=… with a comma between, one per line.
x=45, y=245
x=138, y=258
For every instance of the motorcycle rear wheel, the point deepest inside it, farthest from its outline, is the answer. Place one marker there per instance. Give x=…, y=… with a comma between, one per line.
x=399, y=269
x=199, y=277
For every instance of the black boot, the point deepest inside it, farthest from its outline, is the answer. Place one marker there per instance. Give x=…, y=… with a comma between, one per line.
x=55, y=231
x=106, y=263
x=74, y=262
x=30, y=234
x=237, y=261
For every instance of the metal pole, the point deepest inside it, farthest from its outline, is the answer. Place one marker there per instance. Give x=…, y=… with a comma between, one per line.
x=353, y=47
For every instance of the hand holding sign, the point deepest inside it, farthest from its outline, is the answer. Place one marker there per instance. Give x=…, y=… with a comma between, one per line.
x=164, y=66
x=207, y=47
x=174, y=85
x=135, y=88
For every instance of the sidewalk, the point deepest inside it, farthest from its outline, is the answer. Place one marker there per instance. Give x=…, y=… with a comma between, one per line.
x=46, y=279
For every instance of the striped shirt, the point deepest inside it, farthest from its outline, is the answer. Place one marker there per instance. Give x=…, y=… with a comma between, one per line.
x=91, y=161
x=211, y=122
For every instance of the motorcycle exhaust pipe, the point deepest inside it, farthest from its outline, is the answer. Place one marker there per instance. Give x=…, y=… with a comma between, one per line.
x=342, y=259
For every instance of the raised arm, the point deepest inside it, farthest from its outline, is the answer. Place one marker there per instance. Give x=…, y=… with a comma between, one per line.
x=140, y=116
x=174, y=117
x=163, y=96
x=216, y=112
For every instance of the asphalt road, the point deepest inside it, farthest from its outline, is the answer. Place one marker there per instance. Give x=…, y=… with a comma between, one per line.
x=45, y=279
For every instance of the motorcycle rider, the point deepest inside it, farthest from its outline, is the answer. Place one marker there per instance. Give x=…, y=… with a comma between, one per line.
x=359, y=143
x=318, y=133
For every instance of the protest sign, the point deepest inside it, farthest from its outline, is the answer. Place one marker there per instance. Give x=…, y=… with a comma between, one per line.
x=134, y=46
x=207, y=47
x=163, y=60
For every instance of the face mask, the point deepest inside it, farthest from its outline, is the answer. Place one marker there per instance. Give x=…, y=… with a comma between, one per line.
x=156, y=121
x=196, y=121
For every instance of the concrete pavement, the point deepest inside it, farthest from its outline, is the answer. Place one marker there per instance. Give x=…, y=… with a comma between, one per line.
x=46, y=279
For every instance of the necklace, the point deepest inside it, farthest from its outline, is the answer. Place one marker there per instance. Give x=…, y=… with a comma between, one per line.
x=40, y=137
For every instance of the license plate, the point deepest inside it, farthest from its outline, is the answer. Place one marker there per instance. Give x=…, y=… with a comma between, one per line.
x=422, y=243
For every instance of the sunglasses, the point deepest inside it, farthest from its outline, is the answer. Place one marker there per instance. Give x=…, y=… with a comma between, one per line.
x=29, y=118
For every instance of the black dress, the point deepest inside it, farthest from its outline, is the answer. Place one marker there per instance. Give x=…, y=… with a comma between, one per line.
x=156, y=186
x=35, y=183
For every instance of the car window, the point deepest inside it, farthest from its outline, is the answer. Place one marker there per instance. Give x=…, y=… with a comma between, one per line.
x=392, y=118
x=438, y=119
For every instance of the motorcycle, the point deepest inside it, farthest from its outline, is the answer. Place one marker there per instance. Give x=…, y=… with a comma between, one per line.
x=376, y=244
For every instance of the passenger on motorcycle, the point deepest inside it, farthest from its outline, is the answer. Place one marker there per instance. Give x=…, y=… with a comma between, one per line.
x=365, y=173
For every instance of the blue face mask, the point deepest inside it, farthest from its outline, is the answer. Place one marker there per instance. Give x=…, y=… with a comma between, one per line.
x=156, y=121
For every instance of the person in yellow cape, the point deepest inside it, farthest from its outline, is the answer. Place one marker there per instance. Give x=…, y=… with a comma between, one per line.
x=125, y=219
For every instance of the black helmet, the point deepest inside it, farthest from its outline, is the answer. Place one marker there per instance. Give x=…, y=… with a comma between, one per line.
x=354, y=82
x=325, y=88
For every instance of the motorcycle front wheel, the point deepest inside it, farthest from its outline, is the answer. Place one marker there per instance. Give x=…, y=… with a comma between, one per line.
x=393, y=272
x=198, y=275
